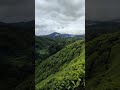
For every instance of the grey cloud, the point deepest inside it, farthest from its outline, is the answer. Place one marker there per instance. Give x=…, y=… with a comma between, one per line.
x=53, y=14
x=102, y=9
x=71, y=8
x=17, y=10
x=10, y=2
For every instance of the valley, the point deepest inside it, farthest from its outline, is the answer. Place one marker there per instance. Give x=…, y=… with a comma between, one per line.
x=64, y=67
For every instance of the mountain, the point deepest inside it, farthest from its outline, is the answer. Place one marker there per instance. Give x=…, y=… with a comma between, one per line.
x=100, y=28
x=18, y=25
x=25, y=25
x=63, y=70
x=55, y=35
x=2, y=24
x=102, y=55
x=43, y=42
x=102, y=62
x=90, y=23
x=45, y=46
x=58, y=35
x=16, y=53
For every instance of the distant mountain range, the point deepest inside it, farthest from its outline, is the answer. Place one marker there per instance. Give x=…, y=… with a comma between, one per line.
x=18, y=25
x=59, y=35
x=90, y=23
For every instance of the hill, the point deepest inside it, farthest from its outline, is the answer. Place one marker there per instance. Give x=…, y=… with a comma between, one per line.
x=102, y=62
x=45, y=47
x=63, y=70
x=16, y=55
x=97, y=28
x=62, y=36
x=43, y=42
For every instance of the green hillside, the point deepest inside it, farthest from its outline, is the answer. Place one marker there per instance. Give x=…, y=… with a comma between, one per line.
x=42, y=42
x=63, y=70
x=41, y=48
x=16, y=56
x=103, y=62
x=45, y=47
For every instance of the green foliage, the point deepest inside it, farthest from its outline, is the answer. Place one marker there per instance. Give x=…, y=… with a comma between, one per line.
x=41, y=47
x=63, y=70
x=16, y=56
x=102, y=62
x=45, y=47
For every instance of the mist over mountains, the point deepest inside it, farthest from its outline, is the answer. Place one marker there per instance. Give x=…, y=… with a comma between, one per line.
x=59, y=35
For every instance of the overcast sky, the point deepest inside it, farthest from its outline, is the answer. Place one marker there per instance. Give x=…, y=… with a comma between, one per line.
x=62, y=16
x=17, y=10
x=102, y=10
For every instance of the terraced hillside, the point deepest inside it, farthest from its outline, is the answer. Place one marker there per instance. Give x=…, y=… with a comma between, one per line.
x=103, y=62
x=63, y=70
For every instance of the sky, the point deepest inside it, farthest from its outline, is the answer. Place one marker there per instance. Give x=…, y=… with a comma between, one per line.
x=17, y=10
x=62, y=16
x=102, y=10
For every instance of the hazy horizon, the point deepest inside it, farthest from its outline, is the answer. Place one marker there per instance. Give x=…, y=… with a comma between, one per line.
x=60, y=33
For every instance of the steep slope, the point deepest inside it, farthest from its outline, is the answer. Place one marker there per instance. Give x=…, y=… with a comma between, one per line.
x=16, y=55
x=42, y=42
x=100, y=28
x=41, y=47
x=103, y=62
x=45, y=47
x=63, y=70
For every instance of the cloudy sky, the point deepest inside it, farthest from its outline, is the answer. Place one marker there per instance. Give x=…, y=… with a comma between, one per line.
x=17, y=10
x=63, y=16
x=102, y=10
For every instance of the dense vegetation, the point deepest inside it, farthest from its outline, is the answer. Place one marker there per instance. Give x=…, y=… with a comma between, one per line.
x=101, y=28
x=102, y=62
x=63, y=70
x=16, y=56
x=45, y=47
x=42, y=47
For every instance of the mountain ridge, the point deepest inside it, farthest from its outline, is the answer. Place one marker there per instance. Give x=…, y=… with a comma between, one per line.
x=60, y=35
